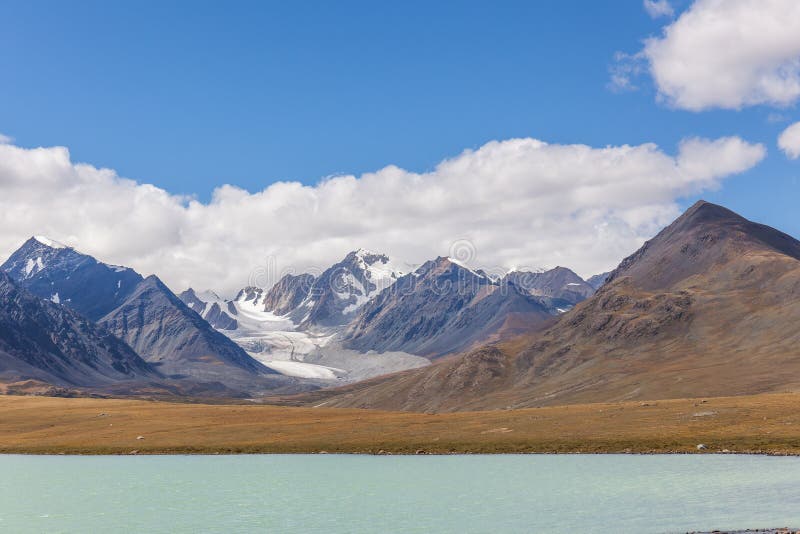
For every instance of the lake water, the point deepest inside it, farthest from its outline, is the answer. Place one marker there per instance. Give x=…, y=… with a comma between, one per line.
x=332, y=493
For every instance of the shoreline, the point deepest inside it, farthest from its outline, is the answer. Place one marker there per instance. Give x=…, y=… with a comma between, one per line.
x=324, y=453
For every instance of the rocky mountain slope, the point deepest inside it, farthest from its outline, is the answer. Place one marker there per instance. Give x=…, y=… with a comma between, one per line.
x=161, y=328
x=219, y=313
x=341, y=290
x=43, y=341
x=709, y=307
x=330, y=300
x=54, y=271
x=288, y=293
x=282, y=344
x=142, y=312
x=363, y=317
x=444, y=307
x=559, y=283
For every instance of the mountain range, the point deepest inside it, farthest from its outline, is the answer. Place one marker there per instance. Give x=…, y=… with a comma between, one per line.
x=370, y=310
x=43, y=342
x=364, y=316
x=142, y=313
x=708, y=307
x=705, y=308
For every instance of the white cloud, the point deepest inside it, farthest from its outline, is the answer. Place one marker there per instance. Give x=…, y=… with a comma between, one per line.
x=728, y=54
x=5, y=140
x=623, y=71
x=789, y=141
x=521, y=202
x=658, y=8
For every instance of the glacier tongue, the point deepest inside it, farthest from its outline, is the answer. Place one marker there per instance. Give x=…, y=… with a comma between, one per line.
x=304, y=341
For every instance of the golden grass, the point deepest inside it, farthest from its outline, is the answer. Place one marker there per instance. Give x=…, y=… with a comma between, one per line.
x=761, y=423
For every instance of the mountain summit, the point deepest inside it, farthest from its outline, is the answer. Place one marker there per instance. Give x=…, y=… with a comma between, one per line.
x=143, y=312
x=54, y=271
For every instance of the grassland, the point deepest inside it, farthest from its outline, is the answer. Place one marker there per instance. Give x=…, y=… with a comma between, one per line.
x=47, y=425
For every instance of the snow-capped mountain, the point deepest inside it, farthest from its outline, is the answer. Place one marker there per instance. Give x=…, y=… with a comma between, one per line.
x=442, y=307
x=142, y=312
x=364, y=316
x=294, y=326
x=219, y=313
x=330, y=300
x=369, y=303
x=341, y=290
x=57, y=272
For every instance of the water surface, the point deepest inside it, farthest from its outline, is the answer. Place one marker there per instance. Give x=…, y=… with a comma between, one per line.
x=449, y=494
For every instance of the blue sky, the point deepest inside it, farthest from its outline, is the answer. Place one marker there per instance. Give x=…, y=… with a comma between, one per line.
x=189, y=96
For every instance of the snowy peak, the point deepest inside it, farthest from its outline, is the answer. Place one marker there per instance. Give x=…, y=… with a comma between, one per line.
x=444, y=266
x=341, y=290
x=33, y=256
x=49, y=242
x=379, y=269
x=462, y=265
x=61, y=274
x=217, y=312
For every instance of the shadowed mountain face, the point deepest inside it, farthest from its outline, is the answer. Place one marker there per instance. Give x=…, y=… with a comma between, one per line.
x=443, y=307
x=143, y=313
x=560, y=283
x=42, y=341
x=709, y=307
x=288, y=293
x=218, y=313
x=329, y=301
x=160, y=327
x=63, y=275
x=597, y=280
x=341, y=290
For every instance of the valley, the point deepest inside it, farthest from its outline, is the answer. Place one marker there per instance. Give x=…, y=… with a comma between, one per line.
x=767, y=424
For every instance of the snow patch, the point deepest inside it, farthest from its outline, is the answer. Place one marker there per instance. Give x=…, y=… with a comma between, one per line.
x=33, y=266
x=465, y=266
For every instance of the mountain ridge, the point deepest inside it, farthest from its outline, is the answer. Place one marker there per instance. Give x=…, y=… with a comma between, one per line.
x=43, y=341
x=708, y=307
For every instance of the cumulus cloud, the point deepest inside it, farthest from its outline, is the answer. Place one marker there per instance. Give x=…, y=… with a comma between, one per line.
x=4, y=139
x=789, y=141
x=658, y=8
x=728, y=54
x=520, y=202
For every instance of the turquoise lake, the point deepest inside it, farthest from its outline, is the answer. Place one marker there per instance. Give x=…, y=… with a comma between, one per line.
x=354, y=494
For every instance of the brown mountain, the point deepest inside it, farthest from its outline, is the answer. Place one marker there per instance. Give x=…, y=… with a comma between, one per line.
x=709, y=307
